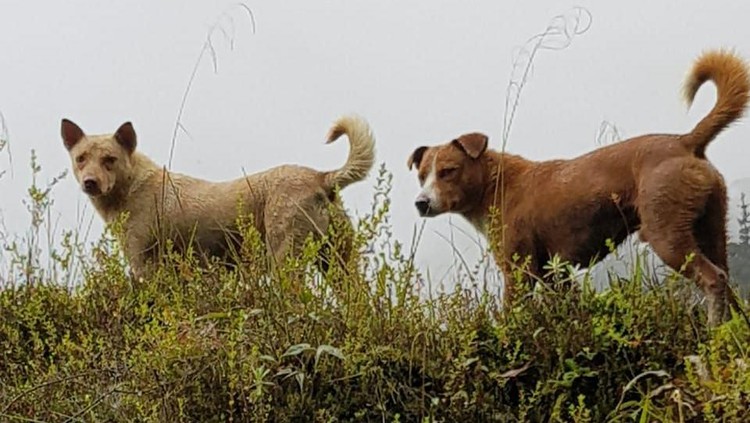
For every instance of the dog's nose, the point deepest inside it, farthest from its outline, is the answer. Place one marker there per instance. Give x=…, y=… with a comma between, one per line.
x=90, y=186
x=423, y=206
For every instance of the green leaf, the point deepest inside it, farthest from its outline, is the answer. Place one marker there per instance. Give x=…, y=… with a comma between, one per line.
x=296, y=350
x=328, y=350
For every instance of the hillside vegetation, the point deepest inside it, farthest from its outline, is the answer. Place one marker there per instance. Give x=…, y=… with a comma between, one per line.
x=81, y=341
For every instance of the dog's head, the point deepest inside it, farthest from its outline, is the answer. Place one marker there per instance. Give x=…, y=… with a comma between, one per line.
x=100, y=162
x=452, y=175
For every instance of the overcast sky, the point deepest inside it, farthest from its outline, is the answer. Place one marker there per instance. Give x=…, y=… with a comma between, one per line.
x=421, y=72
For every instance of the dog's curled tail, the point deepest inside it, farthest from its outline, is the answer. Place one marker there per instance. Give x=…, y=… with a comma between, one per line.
x=730, y=74
x=361, y=151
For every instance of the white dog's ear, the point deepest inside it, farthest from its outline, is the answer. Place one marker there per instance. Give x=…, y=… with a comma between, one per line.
x=70, y=133
x=125, y=136
x=473, y=144
x=416, y=157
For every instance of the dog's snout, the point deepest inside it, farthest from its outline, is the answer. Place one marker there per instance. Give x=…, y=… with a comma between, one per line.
x=423, y=206
x=90, y=186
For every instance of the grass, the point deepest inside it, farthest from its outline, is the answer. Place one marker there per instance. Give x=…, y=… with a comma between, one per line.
x=208, y=344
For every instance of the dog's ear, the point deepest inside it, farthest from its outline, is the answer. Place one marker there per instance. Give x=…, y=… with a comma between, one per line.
x=416, y=157
x=70, y=133
x=125, y=136
x=473, y=144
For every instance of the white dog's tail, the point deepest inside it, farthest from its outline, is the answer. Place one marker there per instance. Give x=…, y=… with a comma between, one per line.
x=361, y=151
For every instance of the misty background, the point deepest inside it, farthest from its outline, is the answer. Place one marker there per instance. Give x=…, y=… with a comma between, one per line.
x=421, y=72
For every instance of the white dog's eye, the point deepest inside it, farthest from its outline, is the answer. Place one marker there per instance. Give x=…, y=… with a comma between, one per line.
x=109, y=160
x=80, y=159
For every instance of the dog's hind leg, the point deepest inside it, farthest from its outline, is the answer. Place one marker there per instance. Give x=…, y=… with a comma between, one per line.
x=674, y=248
x=711, y=233
x=285, y=239
x=338, y=240
x=671, y=207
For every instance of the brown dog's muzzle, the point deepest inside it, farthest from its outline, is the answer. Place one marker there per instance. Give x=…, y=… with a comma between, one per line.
x=425, y=207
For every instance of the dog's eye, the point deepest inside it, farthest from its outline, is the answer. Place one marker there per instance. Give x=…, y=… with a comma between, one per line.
x=444, y=173
x=80, y=159
x=109, y=160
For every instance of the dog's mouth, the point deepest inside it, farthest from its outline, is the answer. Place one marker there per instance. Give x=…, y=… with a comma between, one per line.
x=96, y=193
x=92, y=189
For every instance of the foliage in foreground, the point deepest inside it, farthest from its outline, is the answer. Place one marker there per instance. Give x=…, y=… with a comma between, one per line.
x=193, y=344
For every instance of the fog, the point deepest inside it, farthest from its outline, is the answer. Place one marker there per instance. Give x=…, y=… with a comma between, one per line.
x=420, y=72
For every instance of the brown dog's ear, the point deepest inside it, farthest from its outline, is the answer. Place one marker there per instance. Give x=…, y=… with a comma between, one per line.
x=473, y=144
x=70, y=133
x=125, y=136
x=416, y=157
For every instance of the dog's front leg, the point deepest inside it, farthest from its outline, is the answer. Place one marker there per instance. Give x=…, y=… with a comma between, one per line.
x=136, y=251
x=137, y=263
x=509, y=280
x=517, y=272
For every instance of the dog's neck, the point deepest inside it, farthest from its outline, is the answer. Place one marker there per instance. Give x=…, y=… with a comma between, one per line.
x=113, y=203
x=501, y=170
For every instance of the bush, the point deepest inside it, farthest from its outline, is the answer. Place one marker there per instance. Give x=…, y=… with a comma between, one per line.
x=209, y=344
x=739, y=252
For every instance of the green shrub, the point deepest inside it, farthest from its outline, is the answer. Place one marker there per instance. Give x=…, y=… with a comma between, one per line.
x=210, y=344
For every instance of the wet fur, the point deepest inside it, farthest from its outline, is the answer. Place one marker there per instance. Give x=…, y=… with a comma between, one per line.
x=660, y=185
x=288, y=202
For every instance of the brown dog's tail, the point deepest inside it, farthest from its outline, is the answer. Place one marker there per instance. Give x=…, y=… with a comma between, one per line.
x=361, y=151
x=730, y=74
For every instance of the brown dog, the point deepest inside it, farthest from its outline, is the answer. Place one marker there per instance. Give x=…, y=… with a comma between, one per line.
x=287, y=202
x=660, y=185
